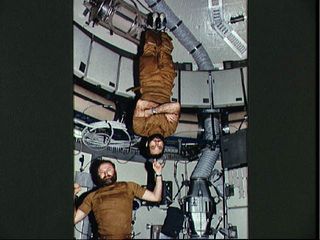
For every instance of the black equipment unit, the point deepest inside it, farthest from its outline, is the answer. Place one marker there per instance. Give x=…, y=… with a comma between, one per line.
x=234, y=149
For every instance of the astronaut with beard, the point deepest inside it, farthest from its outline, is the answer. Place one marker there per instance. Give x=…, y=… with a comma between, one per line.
x=112, y=202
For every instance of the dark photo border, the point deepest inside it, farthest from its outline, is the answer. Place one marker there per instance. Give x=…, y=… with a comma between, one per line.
x=36, y=172
x=283, y=119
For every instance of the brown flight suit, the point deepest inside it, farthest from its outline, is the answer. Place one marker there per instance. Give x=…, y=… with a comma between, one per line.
x=156, y=77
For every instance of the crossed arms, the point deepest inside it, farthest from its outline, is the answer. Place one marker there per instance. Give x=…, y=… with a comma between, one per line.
x=170, y=110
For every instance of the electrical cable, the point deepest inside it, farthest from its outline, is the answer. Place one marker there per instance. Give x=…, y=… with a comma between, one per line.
x=96, y=137
x=91, y=106
x=148, y=10
x=94, y=142
x=123, y=142
x=244, y=119
x=83, y=233
x=86, y=165
x=79, y=151
x=175, y=167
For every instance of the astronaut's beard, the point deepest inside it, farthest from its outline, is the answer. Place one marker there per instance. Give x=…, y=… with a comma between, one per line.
x=107, y=181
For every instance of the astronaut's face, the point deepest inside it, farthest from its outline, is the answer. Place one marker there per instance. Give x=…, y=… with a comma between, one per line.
x=156, y=146
x=107, y=174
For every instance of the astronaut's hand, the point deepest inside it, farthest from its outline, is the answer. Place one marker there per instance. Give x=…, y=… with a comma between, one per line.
x=148, y=112
x=77, y=188
x=171, y=117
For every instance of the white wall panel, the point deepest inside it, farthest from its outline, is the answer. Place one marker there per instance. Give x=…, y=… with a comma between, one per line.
x=92, y=109
x=227, y=88
x=81, y=49
x=126, y=78
x=195, y=90
x=102, y=67
x=81, y=228
x=239, y=217
x=245, y=78
x=237, y=205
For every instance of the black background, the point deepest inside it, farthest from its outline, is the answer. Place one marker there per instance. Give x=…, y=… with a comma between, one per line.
x=36, y=70
x=283, y=119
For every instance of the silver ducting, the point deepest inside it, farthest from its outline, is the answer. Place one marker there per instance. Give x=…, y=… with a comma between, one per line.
x=183, y=34
x=199, y=207
x=206, y=163
x=209, y=154
x=118, y=16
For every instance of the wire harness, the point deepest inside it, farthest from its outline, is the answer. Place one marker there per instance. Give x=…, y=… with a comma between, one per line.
x=99, y=135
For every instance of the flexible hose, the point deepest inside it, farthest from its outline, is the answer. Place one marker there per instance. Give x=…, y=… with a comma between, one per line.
x=183, y=34
x=209, y=156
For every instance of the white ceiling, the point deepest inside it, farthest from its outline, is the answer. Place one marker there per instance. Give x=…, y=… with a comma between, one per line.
x=195, y=14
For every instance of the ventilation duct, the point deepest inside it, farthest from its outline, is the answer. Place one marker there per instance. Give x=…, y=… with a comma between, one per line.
x=210, y=153
x=183, y=34
x=199, y=205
